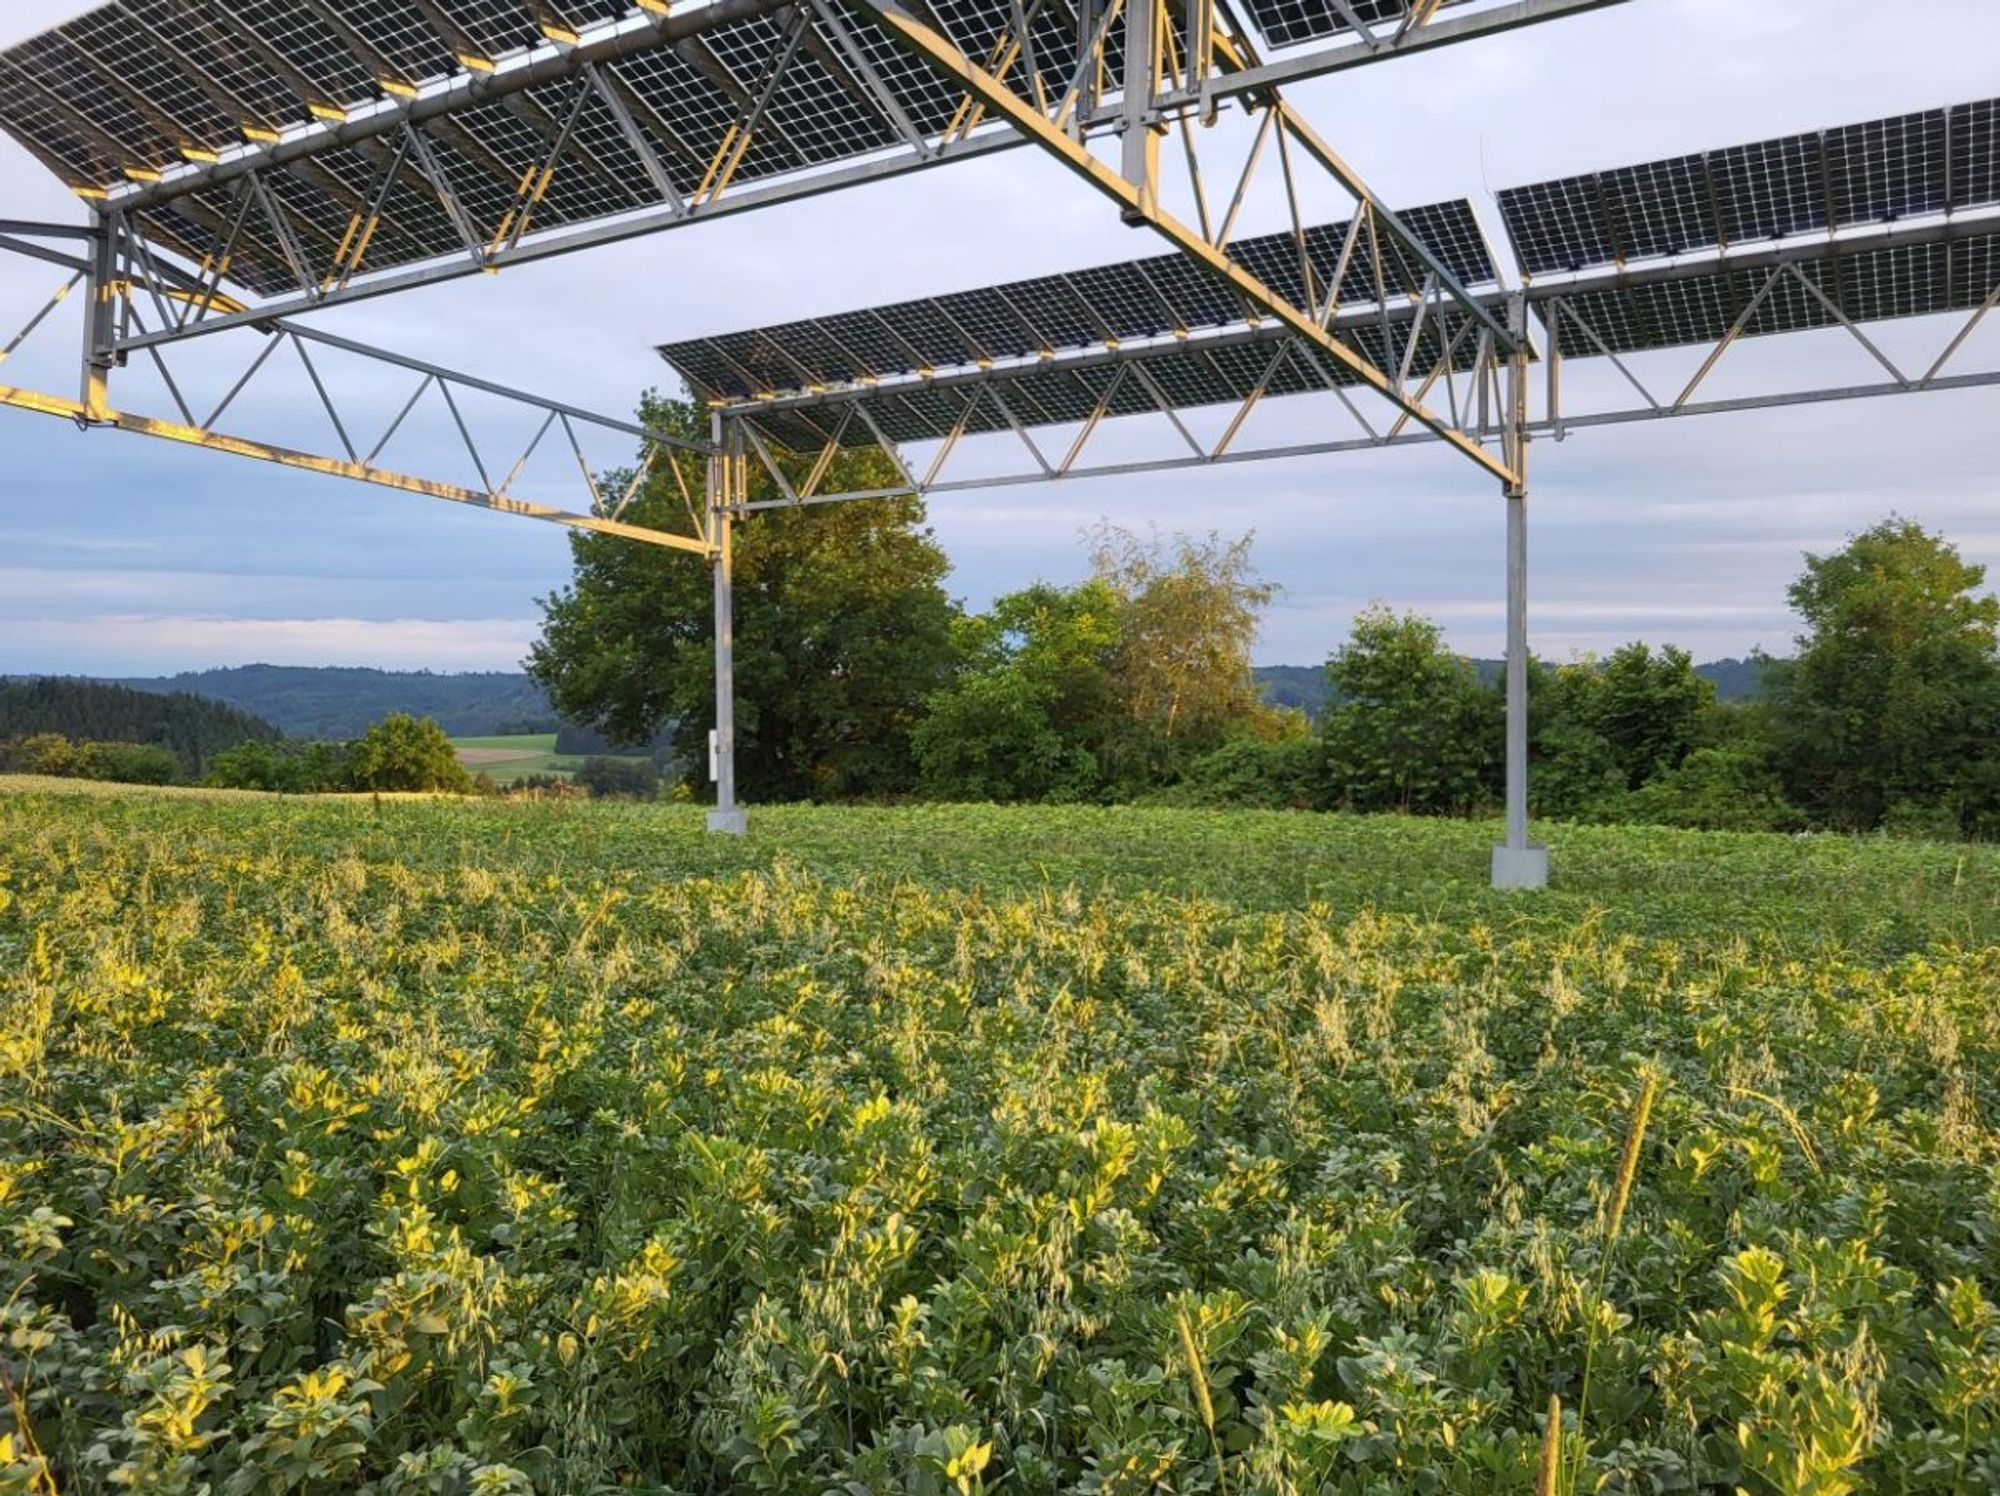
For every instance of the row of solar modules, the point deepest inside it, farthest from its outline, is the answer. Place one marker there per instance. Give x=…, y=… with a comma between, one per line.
x=1883, y=171
x=1120, y=303
x=1186, y=374
x=1901, y=281
x=131, y=87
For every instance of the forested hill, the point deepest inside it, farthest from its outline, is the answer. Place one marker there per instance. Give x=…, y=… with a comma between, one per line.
x=338, y=702
x=1304, y=686
x=192, y=728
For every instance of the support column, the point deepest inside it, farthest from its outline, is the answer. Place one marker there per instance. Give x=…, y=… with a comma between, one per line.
x=1517, y=862
x=724, y=488
x=1140, y=153
x=100, y=320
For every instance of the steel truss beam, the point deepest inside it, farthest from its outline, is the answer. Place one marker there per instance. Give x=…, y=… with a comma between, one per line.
x=1548, y=415
x=124, y=284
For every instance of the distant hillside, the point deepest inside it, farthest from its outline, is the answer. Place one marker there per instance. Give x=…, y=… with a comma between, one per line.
x=309, y=701
x=1304, y=686
x=190, y=727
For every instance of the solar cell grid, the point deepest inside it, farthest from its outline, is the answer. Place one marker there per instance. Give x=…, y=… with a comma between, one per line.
x=114, y=48
x=1973, y=271
x=55, y=135
x=1889, y=169
x=762, y=357
x=596, y=144
x=987, y=319
x=574, y=191
x=1127, y=298
x=930, y=332
x=1975, y=154
x=1661, y=208
x=73, y=88
x=1286, y=22
x=1058, y=315
x=675, y=89
x=198, y=42
x=1450, y=231
x=308, y=46
x=818, y=118
x=1771, y=189
x=494, y=28
x=926, y=101
x=1903, y=280
x=1198, y=297
x=1557, y=226
x=867, y=344
x=407, y=44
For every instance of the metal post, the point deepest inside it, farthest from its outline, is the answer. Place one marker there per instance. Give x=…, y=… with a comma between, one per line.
x=1140, y=156
x=1518, y=863
x=100, y=320
x=725, y=472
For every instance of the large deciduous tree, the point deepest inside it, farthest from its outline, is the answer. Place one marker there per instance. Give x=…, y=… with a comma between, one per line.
x=1181, y=670
x=842, y=628
x=1410, y=727
x=1893, y=702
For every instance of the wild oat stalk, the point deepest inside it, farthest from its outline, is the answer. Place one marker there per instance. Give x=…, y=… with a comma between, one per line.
x=1197, y=1371
x=1614, y=1222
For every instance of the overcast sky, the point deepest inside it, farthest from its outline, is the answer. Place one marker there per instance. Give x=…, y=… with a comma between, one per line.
x=123, y=556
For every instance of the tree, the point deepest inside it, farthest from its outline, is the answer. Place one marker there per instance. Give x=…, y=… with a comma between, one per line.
x=402, y=752
x=1410, y=727
x=1030, y=712
x=1893, y=701
x=127, y=763
x=843, y=629
x=1190, y=609
x=1651, y=708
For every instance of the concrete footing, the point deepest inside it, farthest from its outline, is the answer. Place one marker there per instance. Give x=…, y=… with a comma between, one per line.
x=1521, y=867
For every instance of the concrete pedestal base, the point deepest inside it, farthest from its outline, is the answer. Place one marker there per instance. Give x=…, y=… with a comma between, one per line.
x=1521, y=867
x=729, y=822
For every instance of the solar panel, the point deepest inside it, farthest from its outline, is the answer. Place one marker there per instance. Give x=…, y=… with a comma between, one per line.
x=1130, y=301
x=131, y=89
x=1897, y=280
x=1880, y=171
x=1191, y=374
x=1287, y=22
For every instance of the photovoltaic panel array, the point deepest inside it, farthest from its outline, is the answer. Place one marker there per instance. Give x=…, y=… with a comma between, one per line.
x=1807, y=189
x=1900, y=280
x=1106, y=304
x=1179, y=375
x=1882, y=171
x=131, y=89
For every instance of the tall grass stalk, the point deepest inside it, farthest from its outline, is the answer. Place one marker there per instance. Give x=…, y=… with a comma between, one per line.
x=1614, y=1224
x=1204, y=1402
x=1552, y=1443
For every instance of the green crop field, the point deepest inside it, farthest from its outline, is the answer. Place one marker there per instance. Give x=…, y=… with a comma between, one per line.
x=506, y=759
x=441, y=1146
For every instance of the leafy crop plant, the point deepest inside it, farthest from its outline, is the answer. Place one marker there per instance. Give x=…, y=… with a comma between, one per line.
x=465, y=1147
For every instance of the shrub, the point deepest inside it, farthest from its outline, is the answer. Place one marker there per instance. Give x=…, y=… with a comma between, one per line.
x=629, y=778
x=127, y=763
x=1259, y=775
x=1716, y=789
x=402, y=752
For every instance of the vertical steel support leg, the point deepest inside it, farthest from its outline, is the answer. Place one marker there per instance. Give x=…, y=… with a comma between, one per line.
x=100, y=320
x=1140, y=156
x=1518, y=863
x=725, y=468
